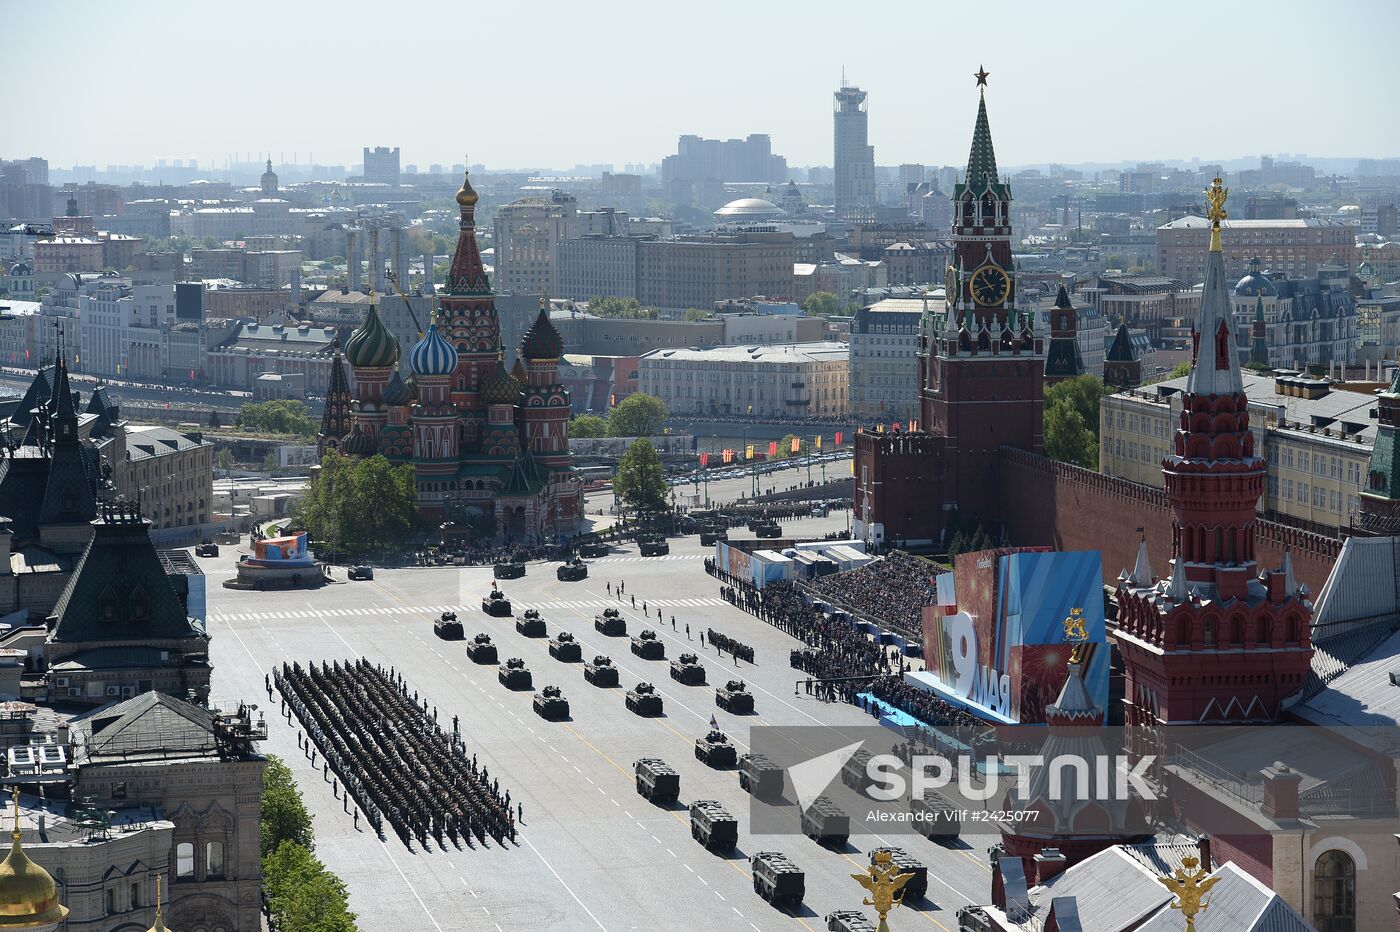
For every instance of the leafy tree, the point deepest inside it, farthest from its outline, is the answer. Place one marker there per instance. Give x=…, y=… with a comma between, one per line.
x=283, y=816
x=1180, y=371
x=1067, y=437
x=641, y=482
x=223, y=459
x=281, y=416
x=823, y=304
x=639, y=415
x=1258, y=367
x=215, y=421
x=785, y=446
x=359, y=506
x=271, y=462
x=1083, y=394
x=586, y=426
x=695, y=313
x=302, y=895
x=625, y=308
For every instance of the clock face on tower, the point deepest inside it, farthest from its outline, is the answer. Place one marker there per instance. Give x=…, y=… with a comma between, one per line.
x=990, y=286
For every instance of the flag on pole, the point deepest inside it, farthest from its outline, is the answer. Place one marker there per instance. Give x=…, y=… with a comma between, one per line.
x=714, y=725
x=704, y=460
x=796, y=445
x=728, y=457
x=838, y=438
x=748, y=452
x=819, y=441
x=853, y=465
x=913, y=426
x=773, y=448
x=880, y=428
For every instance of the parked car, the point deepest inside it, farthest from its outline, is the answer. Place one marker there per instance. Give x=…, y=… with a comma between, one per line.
x=361, y=572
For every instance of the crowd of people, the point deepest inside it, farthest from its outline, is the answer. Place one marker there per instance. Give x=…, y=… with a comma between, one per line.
x=923, y=705
x=893, y=590
x=723, y=642
x=391, y=755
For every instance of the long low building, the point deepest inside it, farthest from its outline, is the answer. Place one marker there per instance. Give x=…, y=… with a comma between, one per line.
x=770, y=380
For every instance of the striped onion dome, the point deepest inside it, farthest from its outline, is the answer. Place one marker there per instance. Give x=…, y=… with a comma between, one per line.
x=357, y=443
x=397, y=392
x=500, y=387
x=372, y=346
x=432, y=355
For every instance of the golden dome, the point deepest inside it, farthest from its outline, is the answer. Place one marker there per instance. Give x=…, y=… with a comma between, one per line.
x=467, y=197
x=28, y=895
x=160, y=923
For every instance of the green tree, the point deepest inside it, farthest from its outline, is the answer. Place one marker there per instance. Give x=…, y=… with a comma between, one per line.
x=639, y=415
x=283, y=816
x=823, y=304
x=359, y=506
x=1067, y=437
x=224, y=459
x=285, y=416
x=302, y=895
x=641, y=482
x=216, y=422
x=1180, y=371
x=695, y=313
x=785, y=446
x=1083, y=394
x=271, y=462
x=586, y=426
x=625, y=308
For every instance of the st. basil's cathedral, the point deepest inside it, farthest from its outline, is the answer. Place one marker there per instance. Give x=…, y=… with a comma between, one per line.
x=484, y=442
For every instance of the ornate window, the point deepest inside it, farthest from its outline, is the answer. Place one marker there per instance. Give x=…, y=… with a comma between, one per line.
x=1334, y=892
x=214, y=859
x=184, y=860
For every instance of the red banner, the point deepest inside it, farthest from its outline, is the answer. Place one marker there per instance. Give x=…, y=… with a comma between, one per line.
x=773, y=448
x=728, y=456
x=704, y=460
x=838, y=438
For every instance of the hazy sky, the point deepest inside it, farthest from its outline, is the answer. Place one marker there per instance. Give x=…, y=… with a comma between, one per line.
x=547, y=83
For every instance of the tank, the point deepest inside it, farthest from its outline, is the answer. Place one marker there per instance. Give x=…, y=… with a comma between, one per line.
x=573, y=571
x=496, y=604
x=648, y=646
x=643, y=699
x=849, y=920
x=826, y=823
x=448, y=627
x=611, y=623
x=687, y=669
x=777, y=879
x=600, y=671
x=531, y=624
x=550, y=704
x=656, y=781
x=711, y=537
x=653, y=545
x=509, y=570
x=734, y=697
x=915, y=887
x=715, y=750
x=934, y=817
x=481, y=650
x=595, y=550
x=514, y=675
x=713, y=826
x=768, y=530
x=564, y=648
x=760, y=777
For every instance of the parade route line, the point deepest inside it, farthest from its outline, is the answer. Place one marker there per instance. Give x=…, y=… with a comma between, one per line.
x=551, y=869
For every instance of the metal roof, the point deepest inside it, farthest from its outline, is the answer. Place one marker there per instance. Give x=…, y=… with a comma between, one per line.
x=1238, y=903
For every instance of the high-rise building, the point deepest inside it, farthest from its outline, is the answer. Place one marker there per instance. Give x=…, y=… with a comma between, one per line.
x=528, y=232
x=747, y=159
x=698, y=271
x=1297, y=247
x=381, y=165
x=855, y=157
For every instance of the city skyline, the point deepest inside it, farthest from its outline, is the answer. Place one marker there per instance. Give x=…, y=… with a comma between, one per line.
x=1209, y=95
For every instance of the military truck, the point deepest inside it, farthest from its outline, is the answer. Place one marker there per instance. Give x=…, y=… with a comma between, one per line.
x=564, y=648
x=777, y=880
x=653, y=545
x=611, y=623
x=713, y=826
x=826, y=823
x=550, y=704
x=573, y=571
x=514, y=675
x=448, y=627
x=715, y=751
x=648, y=646
x=511, y=569
x=656, y=781
x=687, y=669
x=481, y=650
x=600, y=671
x=854, y=773
x=643, y=699
x=760, y=777
x=734, y=697
x=772, y=529
x=849, y=920
x=915, y=888
x=531, y=624
x=935, y=817
x=496, y=604
x=595, y=550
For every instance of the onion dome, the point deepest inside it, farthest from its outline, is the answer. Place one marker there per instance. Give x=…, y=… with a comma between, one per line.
x=372, y=346
x=466, y=196
x=357, y=443
x=397, y=392
x=522, y=377
x=542, y=341
x=500, y=387
x=28, y=895
x=432, y=355
x=1256, y=283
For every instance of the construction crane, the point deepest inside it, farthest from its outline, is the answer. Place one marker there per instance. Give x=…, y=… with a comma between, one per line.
x=393, y=278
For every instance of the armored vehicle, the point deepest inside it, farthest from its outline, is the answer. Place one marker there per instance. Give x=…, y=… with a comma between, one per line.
x=207, y=549
x=531, y=624
x=653, y=545
x=934, y=817
x=772, y=529
x=550, y=704
x=826, y=823
x=733, y=697
x=656, y=781
x=759, y=776
x=715, y=750
x=854, y=774
x=849, y=920
x=448, y=627
x=509, y=570
x=644, y=699
x=916, y=886
x=496, y=604
x=611, y=623
x=564, y=648
x=687, y=669
x=514, y=675
x=648, y=646
x=713, y=826
x=776, y=879
x=573, y=571
x=600, y=672
x=481, y=650
x=595, y=550
x=710, y=536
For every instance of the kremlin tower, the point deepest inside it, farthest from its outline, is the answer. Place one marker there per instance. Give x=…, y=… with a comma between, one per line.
x=1218, y=640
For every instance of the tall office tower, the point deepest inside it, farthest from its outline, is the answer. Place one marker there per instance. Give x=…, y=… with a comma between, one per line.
x=855, y=158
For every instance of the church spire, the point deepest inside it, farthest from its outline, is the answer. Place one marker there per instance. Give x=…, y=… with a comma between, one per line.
x=1214, y=368
x=982, y=160
x=467, y=274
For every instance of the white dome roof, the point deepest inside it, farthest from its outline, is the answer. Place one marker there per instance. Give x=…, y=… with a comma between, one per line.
x=750, y=207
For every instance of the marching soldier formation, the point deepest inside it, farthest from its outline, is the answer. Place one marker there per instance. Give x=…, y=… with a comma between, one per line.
x=392, y=757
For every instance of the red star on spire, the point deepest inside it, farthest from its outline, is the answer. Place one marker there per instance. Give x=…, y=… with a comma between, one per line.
x=981, y=75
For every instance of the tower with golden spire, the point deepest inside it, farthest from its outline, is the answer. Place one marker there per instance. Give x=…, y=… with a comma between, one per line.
x=28, y=894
